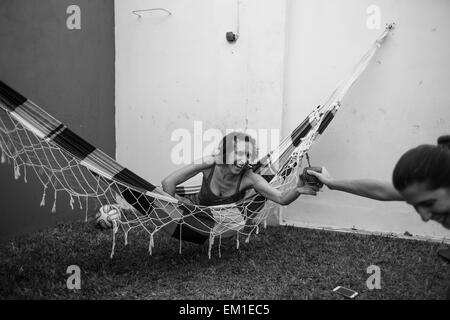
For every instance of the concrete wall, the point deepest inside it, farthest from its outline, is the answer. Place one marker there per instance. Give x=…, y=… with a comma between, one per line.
x=401, y=101
x=70, y=73
x=177, y=74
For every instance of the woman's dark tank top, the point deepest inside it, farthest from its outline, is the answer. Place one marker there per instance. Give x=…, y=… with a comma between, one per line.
x=207, y=198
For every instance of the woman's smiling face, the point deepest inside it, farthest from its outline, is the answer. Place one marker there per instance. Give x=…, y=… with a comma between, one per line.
x=242, y=154
x=430, y=204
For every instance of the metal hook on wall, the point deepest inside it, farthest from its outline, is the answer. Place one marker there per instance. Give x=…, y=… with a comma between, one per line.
x=154, y=9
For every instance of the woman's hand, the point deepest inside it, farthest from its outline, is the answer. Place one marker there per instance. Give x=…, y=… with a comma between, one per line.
x=324, y=177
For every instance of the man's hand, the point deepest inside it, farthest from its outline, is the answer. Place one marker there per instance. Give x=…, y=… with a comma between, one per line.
x=324, y=177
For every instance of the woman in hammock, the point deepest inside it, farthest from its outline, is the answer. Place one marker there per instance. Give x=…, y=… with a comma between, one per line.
x=226, y=179
x=227, y=176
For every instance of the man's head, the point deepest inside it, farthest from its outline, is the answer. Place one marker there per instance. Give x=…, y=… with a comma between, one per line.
x=422, y=176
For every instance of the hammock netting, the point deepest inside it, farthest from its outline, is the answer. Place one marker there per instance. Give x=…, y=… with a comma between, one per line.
x=35, y=142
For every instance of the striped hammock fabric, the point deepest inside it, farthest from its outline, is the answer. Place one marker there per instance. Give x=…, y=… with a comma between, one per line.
x=36, y=142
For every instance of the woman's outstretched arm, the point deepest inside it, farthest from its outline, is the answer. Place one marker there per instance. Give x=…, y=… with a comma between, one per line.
x=284, y=198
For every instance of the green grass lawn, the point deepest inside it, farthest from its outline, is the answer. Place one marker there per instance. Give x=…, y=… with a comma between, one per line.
x=279, y=263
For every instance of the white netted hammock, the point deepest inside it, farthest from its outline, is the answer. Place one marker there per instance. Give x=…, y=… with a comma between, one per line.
x=36, y=142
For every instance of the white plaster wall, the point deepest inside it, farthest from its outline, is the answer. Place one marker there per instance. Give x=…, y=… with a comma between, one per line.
x=172, y=71
x=402, y=100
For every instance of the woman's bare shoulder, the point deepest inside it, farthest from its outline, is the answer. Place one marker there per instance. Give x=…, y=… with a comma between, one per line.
x=251, y=178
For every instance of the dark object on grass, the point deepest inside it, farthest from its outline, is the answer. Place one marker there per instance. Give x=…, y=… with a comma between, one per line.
x=309, y=179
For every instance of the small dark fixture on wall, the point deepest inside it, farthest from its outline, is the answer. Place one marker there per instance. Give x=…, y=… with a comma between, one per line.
x=231, y=37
